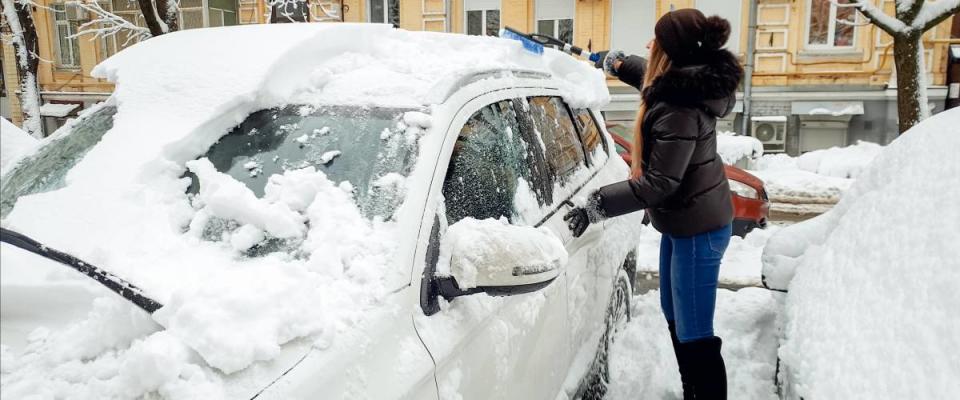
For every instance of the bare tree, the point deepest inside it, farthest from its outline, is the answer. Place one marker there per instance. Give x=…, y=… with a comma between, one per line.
x=913, y=18
x=104, y=23
x=151, y=18
x=18, y=18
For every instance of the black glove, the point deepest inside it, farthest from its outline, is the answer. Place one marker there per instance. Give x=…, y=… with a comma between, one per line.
x=579, y=218
x=606, y=61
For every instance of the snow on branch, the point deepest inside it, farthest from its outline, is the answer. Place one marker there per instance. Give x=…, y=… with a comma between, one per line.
x=889, y=24
x=934, y=13
x=328, y=15
x=104, y=23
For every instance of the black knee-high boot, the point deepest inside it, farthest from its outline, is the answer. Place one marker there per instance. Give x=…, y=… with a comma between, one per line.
x=708, y=372
x=686, y=376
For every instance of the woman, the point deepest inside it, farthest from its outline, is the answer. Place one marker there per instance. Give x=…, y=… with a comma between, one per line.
x=689, y=82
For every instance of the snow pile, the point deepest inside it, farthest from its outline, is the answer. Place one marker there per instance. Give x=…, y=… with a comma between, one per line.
x=643, y=365
x=498, y=247
x=799, y=186
x=733, y=147
x=841, y=162
x=871, y=311
x=819, y=176
x=740, y=265
x=16, y=143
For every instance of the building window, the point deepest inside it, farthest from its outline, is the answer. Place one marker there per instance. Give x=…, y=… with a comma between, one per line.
x=66, y=23
x=482, y=17
x=555, y=18
x=829, y=25
x=385, y=11
x=559, y=28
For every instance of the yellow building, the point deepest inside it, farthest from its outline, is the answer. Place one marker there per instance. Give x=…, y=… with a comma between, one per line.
x=817, y=83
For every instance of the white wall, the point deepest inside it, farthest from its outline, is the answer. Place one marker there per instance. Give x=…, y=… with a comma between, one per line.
x=632, y=22
x=631, y=25
x=729, y=9
x=554, y=9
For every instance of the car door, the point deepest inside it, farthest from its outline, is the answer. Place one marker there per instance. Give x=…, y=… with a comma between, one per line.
x=484, y=347
x=575, y=155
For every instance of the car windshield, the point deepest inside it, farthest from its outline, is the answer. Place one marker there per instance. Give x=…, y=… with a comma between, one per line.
x=46, y=169
x=365, y=146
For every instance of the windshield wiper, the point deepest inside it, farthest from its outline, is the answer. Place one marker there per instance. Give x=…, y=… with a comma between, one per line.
x=116, y=284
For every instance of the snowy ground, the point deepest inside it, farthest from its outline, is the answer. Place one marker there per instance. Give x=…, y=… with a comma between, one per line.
x=643, y=365
x=642, y=362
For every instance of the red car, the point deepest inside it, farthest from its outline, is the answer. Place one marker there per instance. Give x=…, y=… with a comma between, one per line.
x=750, y=203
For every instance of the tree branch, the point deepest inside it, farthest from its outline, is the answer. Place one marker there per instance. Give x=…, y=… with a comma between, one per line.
x=908, y=14
x=946, y=12
x=105, y=23
x=888, y=24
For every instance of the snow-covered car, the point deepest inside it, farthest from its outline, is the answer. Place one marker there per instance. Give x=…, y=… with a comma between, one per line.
x=871, y=307
x=321, y=211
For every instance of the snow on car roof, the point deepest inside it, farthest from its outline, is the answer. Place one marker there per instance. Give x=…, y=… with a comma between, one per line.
x=335, y=63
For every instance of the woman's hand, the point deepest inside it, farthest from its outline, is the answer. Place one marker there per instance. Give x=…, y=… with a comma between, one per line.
x=579, y=218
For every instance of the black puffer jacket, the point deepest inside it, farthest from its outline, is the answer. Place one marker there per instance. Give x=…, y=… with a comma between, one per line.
x=683, y=187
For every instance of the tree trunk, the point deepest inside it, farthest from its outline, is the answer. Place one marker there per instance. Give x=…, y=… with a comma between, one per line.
x=168, y=12
x=150, y=18
x=25, y=48
x=911, y=80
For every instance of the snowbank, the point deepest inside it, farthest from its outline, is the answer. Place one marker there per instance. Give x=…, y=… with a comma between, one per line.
x=733, y=148
x=124, y=205
x=643, y=366
x=16, y=143
x=841, y=162
x=871, y=311
x=819, y=176
x=799, y=186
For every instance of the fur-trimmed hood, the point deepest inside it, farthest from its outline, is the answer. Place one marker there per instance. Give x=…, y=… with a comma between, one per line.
x=711, y=84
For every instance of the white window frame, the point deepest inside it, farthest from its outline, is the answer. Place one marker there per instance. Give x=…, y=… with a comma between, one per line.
x=556, y=18
x=386, y=11
x=831, y=30
x=71, y=30
x=556, y=27
x=483, y=6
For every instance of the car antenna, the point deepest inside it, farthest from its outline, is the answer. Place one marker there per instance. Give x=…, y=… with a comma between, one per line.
x=116, y=284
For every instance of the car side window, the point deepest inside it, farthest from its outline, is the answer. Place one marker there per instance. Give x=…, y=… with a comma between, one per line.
x=590, y=132
x=490, y=174
x=553, y=124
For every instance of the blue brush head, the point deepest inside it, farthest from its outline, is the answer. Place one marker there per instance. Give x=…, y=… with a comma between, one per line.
x=528, y=44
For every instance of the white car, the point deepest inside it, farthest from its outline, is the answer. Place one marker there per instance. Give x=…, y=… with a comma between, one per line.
x=300, y=235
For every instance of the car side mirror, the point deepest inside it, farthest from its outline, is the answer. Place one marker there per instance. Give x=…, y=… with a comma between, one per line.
x=491, y=256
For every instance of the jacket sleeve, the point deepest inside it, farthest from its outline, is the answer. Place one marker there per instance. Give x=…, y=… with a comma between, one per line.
x=675, y=139
x=631, y=71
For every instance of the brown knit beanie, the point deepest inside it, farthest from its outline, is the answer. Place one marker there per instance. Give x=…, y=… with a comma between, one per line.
x=686, y=35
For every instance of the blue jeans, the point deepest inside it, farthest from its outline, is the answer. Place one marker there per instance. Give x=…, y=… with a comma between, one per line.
x=689, y=267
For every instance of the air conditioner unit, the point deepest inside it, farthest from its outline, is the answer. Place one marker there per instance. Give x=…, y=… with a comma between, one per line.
x=771, y=131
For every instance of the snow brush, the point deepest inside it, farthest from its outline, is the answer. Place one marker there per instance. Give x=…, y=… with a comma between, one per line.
x=534, y=42
x=117, y=285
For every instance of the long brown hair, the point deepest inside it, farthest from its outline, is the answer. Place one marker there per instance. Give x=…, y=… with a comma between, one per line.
x=656, y=66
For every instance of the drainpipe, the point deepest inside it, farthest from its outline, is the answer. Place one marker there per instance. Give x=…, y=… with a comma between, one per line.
x=448, y=12
x=748, y=68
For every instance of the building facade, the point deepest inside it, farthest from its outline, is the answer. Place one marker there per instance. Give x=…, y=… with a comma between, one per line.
x=822, y=76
